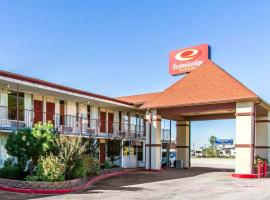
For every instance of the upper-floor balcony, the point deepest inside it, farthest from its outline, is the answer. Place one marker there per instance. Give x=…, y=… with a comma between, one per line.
x=12, y=119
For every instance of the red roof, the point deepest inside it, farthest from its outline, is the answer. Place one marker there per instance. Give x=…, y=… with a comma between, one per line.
x=140, y=98
x=205, y=85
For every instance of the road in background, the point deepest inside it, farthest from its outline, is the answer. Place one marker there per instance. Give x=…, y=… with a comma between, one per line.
x=220, y=163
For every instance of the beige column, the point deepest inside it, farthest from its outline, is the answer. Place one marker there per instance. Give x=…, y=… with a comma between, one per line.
x=244, y=139
x=182, y=142
x=262, y=136
x=153, y=140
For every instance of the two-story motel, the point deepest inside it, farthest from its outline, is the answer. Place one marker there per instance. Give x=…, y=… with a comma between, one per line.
x=25, y=101
x=207, y=92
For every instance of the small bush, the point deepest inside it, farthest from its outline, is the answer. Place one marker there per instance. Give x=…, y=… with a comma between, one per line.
x=92, y=165
x=79, y=170
x=32, y=178
x=10, y=172
x=70, y=150
x=28, y=144
x=50, y=169
x=9, y=162
x=107, y=164
x=85, y=167
x=13, y=170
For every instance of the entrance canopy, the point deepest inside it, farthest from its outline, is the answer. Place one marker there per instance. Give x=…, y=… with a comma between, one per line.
x=208, y=92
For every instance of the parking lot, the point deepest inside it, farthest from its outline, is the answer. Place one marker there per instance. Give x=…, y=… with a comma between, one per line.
x=194, y=183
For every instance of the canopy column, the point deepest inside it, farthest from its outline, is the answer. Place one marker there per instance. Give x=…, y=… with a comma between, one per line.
x=153, y=140
x=183, y=141
x=244, y=139
x=262, y=136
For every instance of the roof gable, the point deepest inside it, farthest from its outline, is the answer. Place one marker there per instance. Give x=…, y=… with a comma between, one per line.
x=206, y=84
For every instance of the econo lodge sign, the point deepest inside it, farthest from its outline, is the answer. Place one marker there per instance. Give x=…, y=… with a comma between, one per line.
x=185, y=60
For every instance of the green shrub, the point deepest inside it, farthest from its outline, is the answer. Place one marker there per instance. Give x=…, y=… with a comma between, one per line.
x=31, y=178
x=70, y=151
x=50, y=169
x=9, y=162
x=10, y=172
x=107, y=164
x=13, y=170
x=85, y=167
x=28, y=144
x=79, y=170
x=21, y=144
x=93, y=166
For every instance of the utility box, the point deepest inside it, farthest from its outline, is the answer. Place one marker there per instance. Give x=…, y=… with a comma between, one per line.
x=179, y=164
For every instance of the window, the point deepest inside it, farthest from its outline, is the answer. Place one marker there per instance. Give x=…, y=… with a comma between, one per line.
x=140, y=152
x=88, y=115
x=113, y=148
x=128, y=150
x=12, y=105
x=62, y=112
x=77, y=112
x=120, y=121
x=132, y=148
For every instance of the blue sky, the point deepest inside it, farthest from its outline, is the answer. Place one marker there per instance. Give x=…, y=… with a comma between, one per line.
x=120, y=48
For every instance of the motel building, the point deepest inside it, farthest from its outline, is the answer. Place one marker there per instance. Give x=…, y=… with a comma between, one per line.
x=133, y=124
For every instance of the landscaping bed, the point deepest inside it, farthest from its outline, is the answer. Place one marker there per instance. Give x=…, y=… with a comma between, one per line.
x=43, y=161
x=34, y=187
x=54, y=185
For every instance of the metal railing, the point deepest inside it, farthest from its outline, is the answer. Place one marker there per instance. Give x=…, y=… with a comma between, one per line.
x=12, y=119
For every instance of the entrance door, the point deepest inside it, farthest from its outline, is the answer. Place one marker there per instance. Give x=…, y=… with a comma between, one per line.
x=102, y=153
x=50, y=112
x=38, y=111
x=110, y=122
x=103, y=122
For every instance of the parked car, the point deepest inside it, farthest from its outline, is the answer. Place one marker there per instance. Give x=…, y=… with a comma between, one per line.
x=198, y=153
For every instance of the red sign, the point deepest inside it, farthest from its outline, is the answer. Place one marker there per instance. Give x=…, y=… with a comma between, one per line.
x=185, y=60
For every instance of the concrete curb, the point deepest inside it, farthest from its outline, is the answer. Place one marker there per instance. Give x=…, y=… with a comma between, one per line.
x=244, y=175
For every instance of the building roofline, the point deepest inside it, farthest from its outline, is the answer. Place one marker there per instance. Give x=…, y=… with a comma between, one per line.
x=58, y=86
x=202, y=103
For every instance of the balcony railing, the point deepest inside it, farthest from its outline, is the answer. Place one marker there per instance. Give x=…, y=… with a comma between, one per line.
x=12, y=119
x=165, y=135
